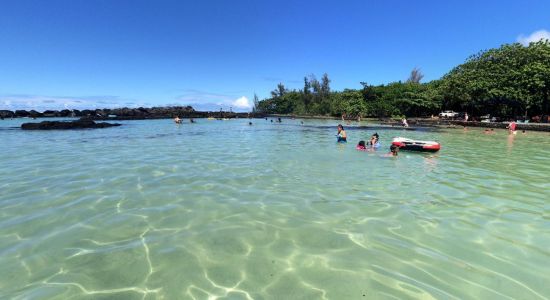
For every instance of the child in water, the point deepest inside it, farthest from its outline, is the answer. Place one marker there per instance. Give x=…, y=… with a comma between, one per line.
x=374, y=140
x=342, y=136
x=393, y=151
x=361, y=146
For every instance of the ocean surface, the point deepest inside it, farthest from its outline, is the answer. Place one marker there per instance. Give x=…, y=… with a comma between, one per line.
x=225, y=210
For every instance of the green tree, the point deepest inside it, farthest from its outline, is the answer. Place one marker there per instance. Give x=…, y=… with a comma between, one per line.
x=506, y=81
x=279, y=92
x=510, y=80
x=306, y=95
x=350, y=103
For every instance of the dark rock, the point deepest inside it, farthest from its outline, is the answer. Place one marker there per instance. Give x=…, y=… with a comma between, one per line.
x=34, y=114
x=87, y=112
x=50, y=113
x=54, y=125
x=65, y=113
x=7, y=114
x=143, y=110
x=21, y=113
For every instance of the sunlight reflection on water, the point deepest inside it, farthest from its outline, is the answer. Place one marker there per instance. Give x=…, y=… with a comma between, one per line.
x=271, y=210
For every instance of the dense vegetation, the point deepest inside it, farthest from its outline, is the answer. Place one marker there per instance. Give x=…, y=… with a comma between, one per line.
x=512, y=80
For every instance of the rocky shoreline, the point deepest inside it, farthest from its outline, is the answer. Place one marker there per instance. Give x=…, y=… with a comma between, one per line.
x=188, y=112
x=125, y=113
x=430, y=122
x=502, y=125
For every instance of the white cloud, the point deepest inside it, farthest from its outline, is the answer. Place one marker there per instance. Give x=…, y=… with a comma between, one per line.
x=243, y=103
x=212, y=101
x=534, y=37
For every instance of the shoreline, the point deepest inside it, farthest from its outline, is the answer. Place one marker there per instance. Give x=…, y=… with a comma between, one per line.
x=545, y=127
x=429, y=122
x=188, y=112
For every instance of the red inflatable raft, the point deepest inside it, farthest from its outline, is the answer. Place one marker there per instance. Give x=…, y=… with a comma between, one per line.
x=413, y=145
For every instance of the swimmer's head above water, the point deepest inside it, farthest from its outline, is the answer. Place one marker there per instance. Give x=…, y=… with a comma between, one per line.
x=394, y=150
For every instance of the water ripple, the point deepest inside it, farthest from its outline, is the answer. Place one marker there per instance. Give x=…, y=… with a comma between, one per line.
x=151, y=210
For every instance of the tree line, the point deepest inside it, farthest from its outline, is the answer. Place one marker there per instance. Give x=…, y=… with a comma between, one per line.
x=510, y=81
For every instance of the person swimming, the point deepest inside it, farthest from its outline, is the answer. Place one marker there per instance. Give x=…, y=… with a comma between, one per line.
x=361, y=146
x=342, y=136
x=393, y=150
x=373, y=142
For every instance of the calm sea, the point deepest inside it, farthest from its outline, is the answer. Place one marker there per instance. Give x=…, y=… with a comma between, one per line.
x=222, y=209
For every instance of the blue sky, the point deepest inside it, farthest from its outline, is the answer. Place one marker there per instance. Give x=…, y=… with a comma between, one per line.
x=101, y=53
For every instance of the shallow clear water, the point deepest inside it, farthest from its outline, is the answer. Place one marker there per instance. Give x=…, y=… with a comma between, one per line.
x=271, y=211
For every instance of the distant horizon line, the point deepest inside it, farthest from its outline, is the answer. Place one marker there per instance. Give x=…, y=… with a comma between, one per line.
x=123, y=107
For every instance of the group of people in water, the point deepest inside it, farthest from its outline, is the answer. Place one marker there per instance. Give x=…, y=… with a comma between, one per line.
x=177, y=120
x=370, y=145
x=512, y=129
x=374, y=143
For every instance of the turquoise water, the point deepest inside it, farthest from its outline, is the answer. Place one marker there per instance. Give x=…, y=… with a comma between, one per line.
x=221, y=209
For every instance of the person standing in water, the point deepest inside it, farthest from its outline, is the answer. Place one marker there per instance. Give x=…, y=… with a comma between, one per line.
x=177, y=120
x=342, y=136
x=512, y=127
